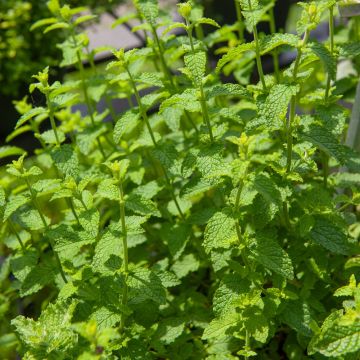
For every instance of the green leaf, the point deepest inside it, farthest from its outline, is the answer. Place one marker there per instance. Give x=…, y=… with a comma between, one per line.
x=89, y=220
x=271, y=42
x=81, y=19
x=275, y=107
x=6, y=151
x=269, y=253
x=42, y=22
x=187, y=100
x=349, y=50
x=66, y=160
x=87, y=139
x=220, y=231
x=227, y=90
x=234, y=53
x=51, y=335
x=108, y=190
x=207, y=21
x=230, y=291
x=49, y=137
x=108, y=250
x=32, y=276
x=330, y=236
x=337, y=338
x=326, y=57
x=185, y=265
x=68, y=242
x=29, y=115
x=31, y=220
x=141, y=205
x=176, y=238
x=153, y=79
x=268, y=189
x=149, y=10
x=144, y=285
x=218, y=327
x=13, y=204
x=56, y=26
x=325, y=140
x=169, y=330
x=297, y=314
x=196, y=63
x=169, y=158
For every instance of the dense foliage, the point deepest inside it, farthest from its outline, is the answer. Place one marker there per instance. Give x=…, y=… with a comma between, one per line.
x=215, y=218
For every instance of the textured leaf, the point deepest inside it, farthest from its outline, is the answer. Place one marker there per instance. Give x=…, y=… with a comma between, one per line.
x=322, y=138
x=89, y=220
x=186, y=264
x=13, y=204
x=108, y=253
x=330, y=236
x=269, y=253
x=231, y=289
x=325, y=56
x=196, y=63
x=271, y=42
x=227, y=90
x=187, y=101
x=108, y=190
x=141, y=205
x=275, y=107
x=144, y=285
x=234, y=54
x=220, y=231
x=66, y=160
x=86, y=140
x=169, y=158
x=149, y=10
x=337, y=339
x=219, y=326
x=297, y=315
x=69, y=242
x=51, y=335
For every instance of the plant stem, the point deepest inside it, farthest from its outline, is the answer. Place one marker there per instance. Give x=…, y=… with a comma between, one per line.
x=239, y=21
x=13, y=229
x=51, y=116
x=143, y=112
x=125, y=254
x=293, y=103
x=327, y=90
x=46, y=226
x=204, y=108
x=257, y=51
x=85, y=92
x=247, y=342
x=275, y=53
x=146, y=119
x=162, y=58
x=331, y=35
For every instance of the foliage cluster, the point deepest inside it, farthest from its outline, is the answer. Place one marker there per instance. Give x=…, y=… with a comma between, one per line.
x=216, y=218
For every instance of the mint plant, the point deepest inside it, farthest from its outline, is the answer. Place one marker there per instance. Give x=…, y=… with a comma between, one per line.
x=216, y=217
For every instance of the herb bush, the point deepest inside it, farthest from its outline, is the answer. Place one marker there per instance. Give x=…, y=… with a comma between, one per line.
x=213, y=219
